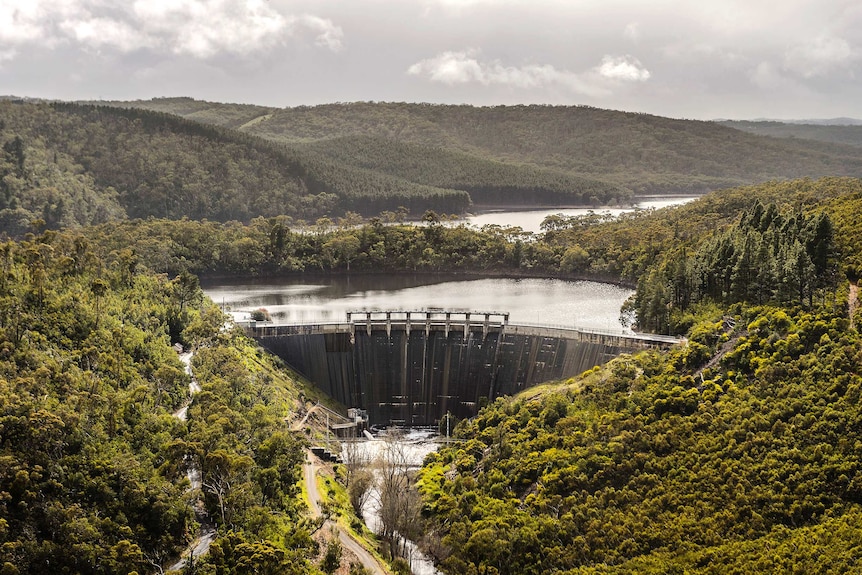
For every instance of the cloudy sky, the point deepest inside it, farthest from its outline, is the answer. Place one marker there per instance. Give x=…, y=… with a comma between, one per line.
x=701, y=59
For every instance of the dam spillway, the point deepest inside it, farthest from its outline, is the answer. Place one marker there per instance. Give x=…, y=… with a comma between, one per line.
x=410, y=368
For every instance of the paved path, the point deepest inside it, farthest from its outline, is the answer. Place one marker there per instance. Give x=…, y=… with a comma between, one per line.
x=310, y=474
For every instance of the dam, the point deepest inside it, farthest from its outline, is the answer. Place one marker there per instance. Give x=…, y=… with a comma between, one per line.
x=411, y=368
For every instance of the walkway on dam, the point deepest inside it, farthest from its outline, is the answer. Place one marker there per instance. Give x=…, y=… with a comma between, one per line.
x=472, y=321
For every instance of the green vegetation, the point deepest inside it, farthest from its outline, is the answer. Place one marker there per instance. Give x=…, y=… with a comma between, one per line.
x=645, y=466
x=92, y=459
x=836, y=134
x=73, y=165
x=643, y=153
x=736, y=453
x=487, y=181
x=224, y=115
x=77, y=164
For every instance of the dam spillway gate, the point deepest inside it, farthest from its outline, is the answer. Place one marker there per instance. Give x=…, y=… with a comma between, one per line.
x=410, y=368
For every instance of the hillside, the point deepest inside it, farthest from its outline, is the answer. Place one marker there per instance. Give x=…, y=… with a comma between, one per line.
x=637, y=151
x=98, y=430
x=224, y=115
x=487, y=181
x=850, y=135
x=73, y=165
x=736, y=453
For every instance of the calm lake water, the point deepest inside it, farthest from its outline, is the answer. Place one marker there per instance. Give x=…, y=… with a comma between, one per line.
x=582, y=304
x=531, y=220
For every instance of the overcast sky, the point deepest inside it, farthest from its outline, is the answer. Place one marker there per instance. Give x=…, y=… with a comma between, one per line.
x=702, y=59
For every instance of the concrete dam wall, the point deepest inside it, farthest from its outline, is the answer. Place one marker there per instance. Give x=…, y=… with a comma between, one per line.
x=411, y=371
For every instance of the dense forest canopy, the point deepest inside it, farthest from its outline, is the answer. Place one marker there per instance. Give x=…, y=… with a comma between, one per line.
x=93, y=456
x=78, y=165
x=736, y=453
x=640, y=152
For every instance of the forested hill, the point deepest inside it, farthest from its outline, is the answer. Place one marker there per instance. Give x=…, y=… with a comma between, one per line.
x=640, y=152
x=832, y=133
x=76, y=165
x=94, y=444
x=738, y=452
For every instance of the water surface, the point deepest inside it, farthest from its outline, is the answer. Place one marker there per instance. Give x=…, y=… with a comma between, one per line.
x=531, y=220
x=583, y=304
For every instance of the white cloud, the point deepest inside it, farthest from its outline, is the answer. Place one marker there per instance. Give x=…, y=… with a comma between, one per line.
x=26, y=21
x=197, y=28
x=623, y=68
x=7, y=55
x=328, y=34
x=98, y=32
x=820, y=56
x=451, y=68
x=464, y=67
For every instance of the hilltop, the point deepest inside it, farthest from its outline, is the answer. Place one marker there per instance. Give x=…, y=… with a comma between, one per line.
x=845, y=134
x=80, y=164
x=639, y=152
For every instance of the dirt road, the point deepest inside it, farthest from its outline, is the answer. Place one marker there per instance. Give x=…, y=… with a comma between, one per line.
x=347, y=541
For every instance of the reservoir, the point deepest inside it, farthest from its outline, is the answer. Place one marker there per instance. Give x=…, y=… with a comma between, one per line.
x=529, y=301
x=531, y=220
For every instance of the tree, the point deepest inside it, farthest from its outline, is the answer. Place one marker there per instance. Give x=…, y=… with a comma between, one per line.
x=331, y=560
x=399, y=503
x=575, y=259
x=342, y=248
x=187, y=289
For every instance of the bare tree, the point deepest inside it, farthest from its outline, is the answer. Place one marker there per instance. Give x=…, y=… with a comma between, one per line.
x=359, y=476
x=399, y=501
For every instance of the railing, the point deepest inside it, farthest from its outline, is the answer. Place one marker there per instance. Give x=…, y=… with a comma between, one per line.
x=302, y=328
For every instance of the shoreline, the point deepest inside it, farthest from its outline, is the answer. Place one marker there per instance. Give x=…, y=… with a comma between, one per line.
x=443, y=276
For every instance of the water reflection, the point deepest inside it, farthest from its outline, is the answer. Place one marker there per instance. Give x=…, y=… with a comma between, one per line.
x=583, y=304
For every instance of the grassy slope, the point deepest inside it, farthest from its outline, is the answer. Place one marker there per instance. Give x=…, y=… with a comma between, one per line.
x=224, y=115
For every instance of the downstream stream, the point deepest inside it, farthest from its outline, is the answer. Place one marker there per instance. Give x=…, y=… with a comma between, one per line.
x=207, y=533
x=406, y=452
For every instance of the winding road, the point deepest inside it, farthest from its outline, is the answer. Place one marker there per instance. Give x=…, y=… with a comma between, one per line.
x=347, y=541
